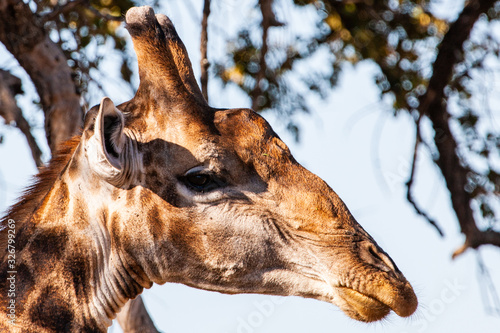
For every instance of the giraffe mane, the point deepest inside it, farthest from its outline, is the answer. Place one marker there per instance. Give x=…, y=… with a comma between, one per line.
x=34, y=194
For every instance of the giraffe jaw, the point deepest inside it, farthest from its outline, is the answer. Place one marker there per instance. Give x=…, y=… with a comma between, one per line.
x=367, y=308
x=361, y=307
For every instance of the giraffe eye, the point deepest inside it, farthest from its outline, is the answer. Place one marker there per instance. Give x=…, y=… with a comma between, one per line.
x=198, y=180
x=201, y=182
x=201, y=179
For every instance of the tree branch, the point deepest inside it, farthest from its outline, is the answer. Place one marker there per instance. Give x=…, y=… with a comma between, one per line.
x=23, y=35
x=62, y=9
x=432, y=105
x=409, y=183
x=107, y=17
x=268, y=20
x=203, y=49
x=10, y=86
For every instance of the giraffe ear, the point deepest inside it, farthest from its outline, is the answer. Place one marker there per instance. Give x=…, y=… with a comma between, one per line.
x=104, y=149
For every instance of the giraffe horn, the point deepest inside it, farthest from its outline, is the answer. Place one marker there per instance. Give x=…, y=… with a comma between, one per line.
x=181, y=57
x=162, y=57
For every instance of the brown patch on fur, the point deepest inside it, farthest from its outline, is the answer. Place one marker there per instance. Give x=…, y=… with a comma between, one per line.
x=24, y=280
x=80, y=213
x=115, y=195
x=78, y=271
x=131, y=195
x=62, y=199
x=145, y=197
x=147, y=159
x=34, y=194
x=169, y=194
x=52, y=311
x=115, y=230
x=51, y=245
x=155, y=223
x=153, y=181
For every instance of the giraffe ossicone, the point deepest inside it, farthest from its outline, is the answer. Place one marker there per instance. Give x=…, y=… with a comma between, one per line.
x=164, y=188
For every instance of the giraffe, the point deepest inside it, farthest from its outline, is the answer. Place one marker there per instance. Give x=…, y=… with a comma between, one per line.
x=164, y=188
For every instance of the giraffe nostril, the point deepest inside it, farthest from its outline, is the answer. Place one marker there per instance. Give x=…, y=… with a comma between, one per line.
x=374, y=253
x=378, y=258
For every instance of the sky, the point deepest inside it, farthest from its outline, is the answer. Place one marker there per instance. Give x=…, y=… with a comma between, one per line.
x=364, y=153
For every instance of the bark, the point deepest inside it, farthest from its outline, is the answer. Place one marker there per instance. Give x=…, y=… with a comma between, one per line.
x=10, y=86
x=203, y=49
x=23, y=35
x=432, y=105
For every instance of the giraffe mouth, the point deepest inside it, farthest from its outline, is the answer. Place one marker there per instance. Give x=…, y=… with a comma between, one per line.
x=361, y=306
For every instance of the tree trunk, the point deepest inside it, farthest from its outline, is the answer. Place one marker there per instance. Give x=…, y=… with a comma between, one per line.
x=23, y=35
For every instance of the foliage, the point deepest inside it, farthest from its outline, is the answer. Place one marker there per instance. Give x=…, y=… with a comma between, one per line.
x=80, y=28
x=401, y=37
x=395, y=36
x=479, y=143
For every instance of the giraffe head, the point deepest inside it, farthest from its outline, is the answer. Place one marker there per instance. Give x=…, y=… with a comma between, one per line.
x=212, y=198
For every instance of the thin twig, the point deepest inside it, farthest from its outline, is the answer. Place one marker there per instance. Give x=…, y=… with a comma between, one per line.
x=409, y=183
x=62, y=9
x=204, y=64
x=489, y=293
x=58, y=10
x=268, y=20
x=107, y=17
x=375, y=151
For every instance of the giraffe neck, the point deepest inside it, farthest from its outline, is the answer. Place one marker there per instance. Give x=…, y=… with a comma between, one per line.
x=71, y=274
